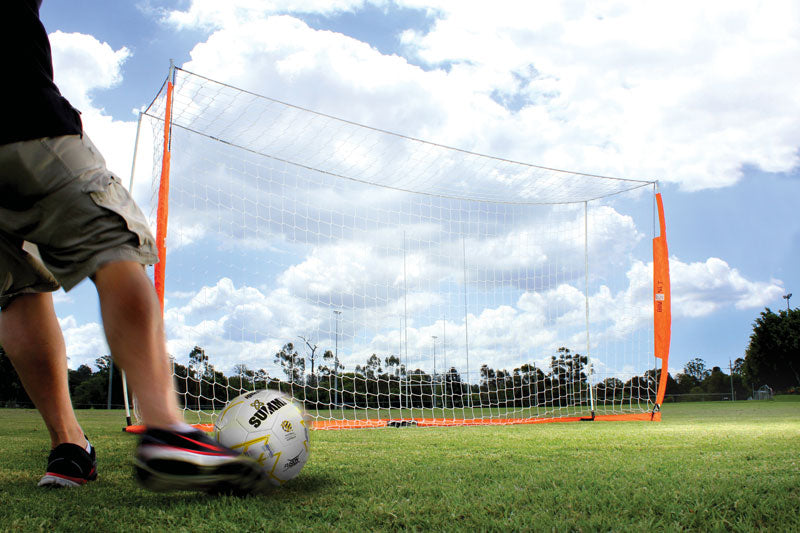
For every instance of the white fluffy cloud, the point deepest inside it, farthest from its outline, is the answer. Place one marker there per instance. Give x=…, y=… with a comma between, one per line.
x=212, y=14
x=701, y=288
x=82, y=65
x=85, y=342
x=642, y=89
x=245, y=324
x=637, y=89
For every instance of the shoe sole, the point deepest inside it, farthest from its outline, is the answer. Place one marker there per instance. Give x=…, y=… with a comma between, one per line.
x=172, y=469
x=52, y=479
x=49, y=480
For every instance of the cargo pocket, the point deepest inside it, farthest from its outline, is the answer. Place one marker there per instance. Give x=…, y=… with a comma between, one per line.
x=107, y=191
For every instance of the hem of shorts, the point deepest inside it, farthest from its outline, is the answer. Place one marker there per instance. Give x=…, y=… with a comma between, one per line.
x=90, y=267
x=36, y=288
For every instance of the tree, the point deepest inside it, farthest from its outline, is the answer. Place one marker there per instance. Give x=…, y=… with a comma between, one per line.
x=773, y=354
x=293, y=365
x=654, y=377
x=453, y=388
x=609, y=390
x=92, y=392
x=312, y=354
x=242, y=377
x=685, y=384
x=696, y=368
x=11, y=389
x=487, y=374
x=392, y=364
x=373, y=367
x=717, y=382
x=566, y=370
x=76, y=377
x=92, y=388
x=198, y=365
x=198, y=361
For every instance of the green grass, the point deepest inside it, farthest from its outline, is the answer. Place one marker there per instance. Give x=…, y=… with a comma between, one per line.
x=706, y=466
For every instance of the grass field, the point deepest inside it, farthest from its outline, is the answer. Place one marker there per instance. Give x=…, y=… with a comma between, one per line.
x=707, y=466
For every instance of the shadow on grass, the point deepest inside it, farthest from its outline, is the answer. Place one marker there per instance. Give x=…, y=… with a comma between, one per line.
x=126, y=491
x=130, y=493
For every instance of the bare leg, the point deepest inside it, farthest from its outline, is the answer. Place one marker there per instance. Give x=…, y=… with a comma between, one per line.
x=135, y=333
x=32, y=339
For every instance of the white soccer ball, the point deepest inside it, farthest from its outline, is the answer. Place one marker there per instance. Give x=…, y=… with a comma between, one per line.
x=270, y=427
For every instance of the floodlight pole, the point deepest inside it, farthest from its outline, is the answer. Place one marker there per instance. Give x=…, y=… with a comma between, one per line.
x=444, y=358
x=434, y=369
x=730, y=367
x=786, y=297
x=110, y=380
x=336, y=360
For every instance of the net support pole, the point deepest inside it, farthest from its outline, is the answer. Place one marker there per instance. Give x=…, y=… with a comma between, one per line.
x=125, y=396
x=662, y=302
x=163, y=194
x=135, y=152
x=586, y=297
x=130, y=189
x=466, y=321
x=405, y=326
x=162, y=210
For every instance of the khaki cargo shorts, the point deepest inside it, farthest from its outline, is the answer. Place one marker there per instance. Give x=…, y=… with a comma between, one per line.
x=57, y=194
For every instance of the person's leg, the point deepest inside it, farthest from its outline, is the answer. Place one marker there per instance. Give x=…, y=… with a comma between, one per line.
x=135, y=333
x=169, y=457
x=32, y=339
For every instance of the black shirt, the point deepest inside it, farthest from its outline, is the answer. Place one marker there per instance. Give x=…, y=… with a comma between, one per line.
x=32, y=106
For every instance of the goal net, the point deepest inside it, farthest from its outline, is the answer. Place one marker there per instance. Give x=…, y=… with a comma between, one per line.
x=387, y=281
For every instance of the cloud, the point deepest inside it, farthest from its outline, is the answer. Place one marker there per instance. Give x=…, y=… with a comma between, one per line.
x=236, y=324
x=641, y=90
x=83, y=65
x=211, y=14
x=85, y=342
x=638, y=90
x=701, y=288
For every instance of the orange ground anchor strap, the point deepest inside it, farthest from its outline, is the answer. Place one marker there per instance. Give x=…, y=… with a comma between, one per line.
x=443, y=422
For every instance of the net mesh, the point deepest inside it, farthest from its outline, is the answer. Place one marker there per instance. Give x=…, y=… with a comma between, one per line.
x=384, y=280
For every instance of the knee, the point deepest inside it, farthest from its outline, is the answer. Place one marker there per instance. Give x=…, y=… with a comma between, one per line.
x=126, y=287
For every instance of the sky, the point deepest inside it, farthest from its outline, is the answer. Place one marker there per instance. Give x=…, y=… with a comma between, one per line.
x=701, y=97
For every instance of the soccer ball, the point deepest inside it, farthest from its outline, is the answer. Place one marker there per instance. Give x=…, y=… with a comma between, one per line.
x=268, y=426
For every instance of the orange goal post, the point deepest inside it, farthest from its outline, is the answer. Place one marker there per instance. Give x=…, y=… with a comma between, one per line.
x=387, y=281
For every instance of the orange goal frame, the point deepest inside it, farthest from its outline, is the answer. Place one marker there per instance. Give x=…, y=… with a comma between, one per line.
x=662, y=316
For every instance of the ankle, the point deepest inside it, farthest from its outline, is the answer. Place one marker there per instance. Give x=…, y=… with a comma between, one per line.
x=78, y=439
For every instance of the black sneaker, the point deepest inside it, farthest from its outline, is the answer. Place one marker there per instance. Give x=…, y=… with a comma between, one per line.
x=168, y=460
x=69, y=465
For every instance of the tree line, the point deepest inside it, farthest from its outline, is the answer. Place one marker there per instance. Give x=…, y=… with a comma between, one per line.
x=87, y=388
x=320, y=380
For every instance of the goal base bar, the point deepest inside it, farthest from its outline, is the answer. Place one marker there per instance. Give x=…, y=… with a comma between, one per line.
x=443, y=422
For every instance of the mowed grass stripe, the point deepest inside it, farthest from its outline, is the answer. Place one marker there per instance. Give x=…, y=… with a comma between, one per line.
x=706, y=466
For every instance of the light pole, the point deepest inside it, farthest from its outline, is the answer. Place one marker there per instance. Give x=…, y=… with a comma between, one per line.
x=786, y=297
x=730, y=367
x=446, y=370
x=434, y=370
x=336, y=360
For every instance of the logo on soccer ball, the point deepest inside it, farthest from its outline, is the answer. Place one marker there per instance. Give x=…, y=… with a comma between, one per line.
x=286, y=426
x=291, y=462
x=264, y=410
x=257, y=404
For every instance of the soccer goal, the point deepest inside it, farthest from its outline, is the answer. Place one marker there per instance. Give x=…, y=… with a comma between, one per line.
x=386, y=281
